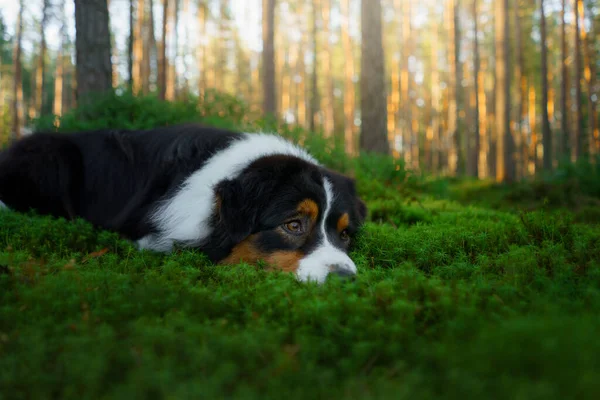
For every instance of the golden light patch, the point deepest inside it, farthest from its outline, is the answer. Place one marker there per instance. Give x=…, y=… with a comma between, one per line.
x=246, y=251
x=310, y=208
x=343, y=222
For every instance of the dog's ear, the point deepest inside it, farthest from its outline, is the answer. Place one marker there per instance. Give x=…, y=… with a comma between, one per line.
x=238, y=206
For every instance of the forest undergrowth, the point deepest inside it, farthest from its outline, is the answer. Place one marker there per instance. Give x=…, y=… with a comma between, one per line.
x=465, y=288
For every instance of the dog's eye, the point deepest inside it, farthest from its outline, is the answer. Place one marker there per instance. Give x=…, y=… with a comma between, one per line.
x=344, y=235
x=295, y=227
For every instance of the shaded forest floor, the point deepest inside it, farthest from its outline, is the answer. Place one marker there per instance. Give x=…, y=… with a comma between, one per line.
x=464, y=288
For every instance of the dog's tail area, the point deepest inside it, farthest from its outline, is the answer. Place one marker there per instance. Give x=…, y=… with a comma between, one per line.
x=42, y=172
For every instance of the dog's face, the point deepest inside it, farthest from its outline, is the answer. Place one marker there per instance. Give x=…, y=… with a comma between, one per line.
x=295, y=216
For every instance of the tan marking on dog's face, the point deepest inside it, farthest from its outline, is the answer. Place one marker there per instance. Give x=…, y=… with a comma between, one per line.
x=246, y=251
x=310, y=208
x=343, y=222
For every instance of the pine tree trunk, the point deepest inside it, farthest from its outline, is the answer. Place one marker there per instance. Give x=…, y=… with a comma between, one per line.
x=269, y=100
x=57, y=107
x=172, y=78
x=138, y=48
x=326, y=56
x=373, y=136
x=152, y=47
x=301, y=72
x=163, y=64
x=349, y=101
x=579, y=136
x=452, y=90
x=458, y=133
x=590, y=78
x=41, y=69
x=201, y=53
x=405, y=85
x=564, y=85
x=474, y=163
x=130, y=43
x=17, y=102
x=546, y=134
x=314, y=96
x=435, y=100
x=520, y=144
x=504, y=146
x=92, y=43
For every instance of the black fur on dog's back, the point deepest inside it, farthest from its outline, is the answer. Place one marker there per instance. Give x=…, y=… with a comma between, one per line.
x=125, y=172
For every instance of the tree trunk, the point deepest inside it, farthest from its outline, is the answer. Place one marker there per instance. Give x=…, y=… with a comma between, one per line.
x=163, y=64
x=590, y=78
x=504, y=146
x=546, y=134
x=41, y=69
x=202, y=10
x=172, y=81
x=564, y=85
x=373, y=136
x=452, y=157
x=57, y=107
x=327, y=56
x=268, y=25
x=130, y=43
x=314, y=97
x=349, y=102
x=458, y=133
x=435, y=100
x=405, y=85
x=474, y=163
x=138, y=48
x=151, y=48
x=92, y=43
x=579, y=137
x=17, y=103
x=520, y=144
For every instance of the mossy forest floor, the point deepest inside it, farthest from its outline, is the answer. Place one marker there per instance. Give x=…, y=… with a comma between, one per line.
x=465, y=290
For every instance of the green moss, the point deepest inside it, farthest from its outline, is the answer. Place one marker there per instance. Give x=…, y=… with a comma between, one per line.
x=457, y=296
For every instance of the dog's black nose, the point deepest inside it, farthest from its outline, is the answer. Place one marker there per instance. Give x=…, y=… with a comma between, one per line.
x=342, y=272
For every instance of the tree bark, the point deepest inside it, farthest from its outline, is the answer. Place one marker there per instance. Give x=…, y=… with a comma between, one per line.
x=458, y=133
x=546, y=134
x=349, y=102
x=17, y=103
x=163, y=64
x=504, y=147
x=202, y=10
x=474, y=170
x=314, y=96
x=130, y=43
x=268, y=25
x=436, y=98
x=373, y=136
x=405, y=85
x=41, y=69
x=521, y=149
x=57, y=107
x=579, y=137
x=564, y=85
x=327, y=56
x=590, y=78
x=92, y=43
x=138, y=48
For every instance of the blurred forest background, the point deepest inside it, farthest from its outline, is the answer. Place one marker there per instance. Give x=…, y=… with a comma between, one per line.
x=501, y=89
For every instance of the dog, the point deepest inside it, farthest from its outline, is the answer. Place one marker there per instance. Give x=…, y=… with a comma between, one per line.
x=237, y=197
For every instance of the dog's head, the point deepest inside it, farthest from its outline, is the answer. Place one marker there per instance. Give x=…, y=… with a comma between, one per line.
x=294, y=215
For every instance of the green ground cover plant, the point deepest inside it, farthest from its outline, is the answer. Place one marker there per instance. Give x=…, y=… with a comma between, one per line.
x=489, y=295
